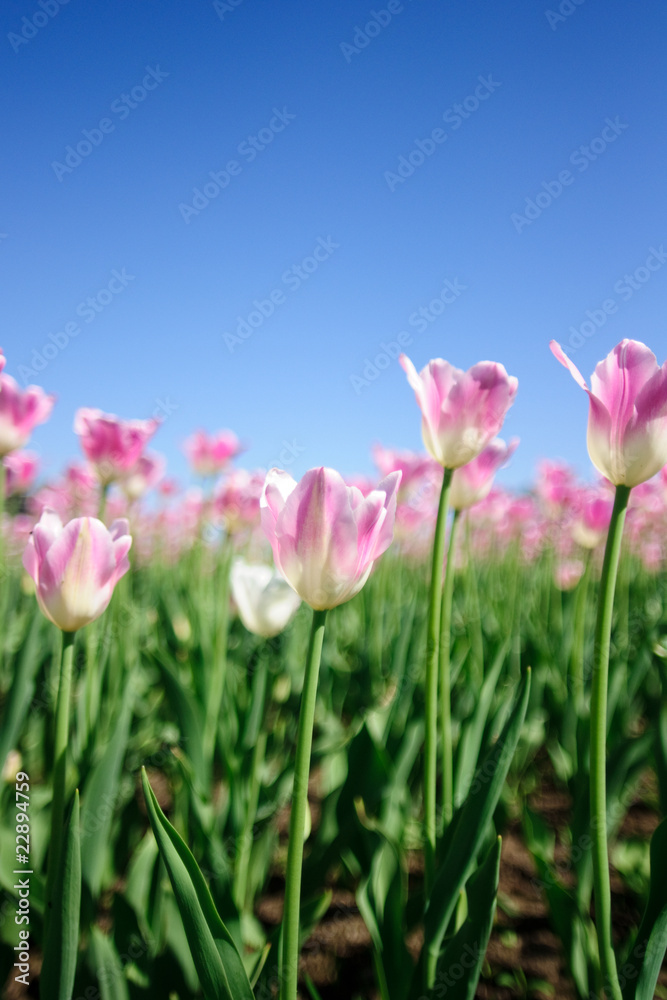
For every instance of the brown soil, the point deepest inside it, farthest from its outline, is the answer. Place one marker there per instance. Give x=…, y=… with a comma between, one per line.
x=524, y=958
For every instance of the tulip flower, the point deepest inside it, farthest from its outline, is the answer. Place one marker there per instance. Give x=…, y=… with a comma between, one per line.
x=20, y=469
x=627, y=443
x=265, y=601
x=461, y=414
x=472, y=482
x=627, y=419
x=76, y=567
x=326, y=535
x=461, y=411
x=112, y=445
x=20, y=412
x=141, y=477
x=210, y=454
x=325, y=538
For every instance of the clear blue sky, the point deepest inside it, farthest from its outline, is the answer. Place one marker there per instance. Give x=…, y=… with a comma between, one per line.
x=170, y=92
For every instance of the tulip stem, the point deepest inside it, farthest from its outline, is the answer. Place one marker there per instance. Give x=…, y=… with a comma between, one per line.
x=431, y=707
x=297, y=825
x=60, y=767
x=445, y=680
x=216, y=684
x=598, y=744
x=102, y=509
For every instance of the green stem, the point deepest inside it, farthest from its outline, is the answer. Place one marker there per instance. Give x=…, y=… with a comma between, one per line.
x=102, y=509
x=445, y=680
x=216, y=683
x=598, y=743
x=432, y=658
x=579, y=638
x=244, y=846
x=304, y=740
x=477, y=638
x=60, y=766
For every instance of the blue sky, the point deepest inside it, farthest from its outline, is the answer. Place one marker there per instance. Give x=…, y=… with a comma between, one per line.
x=294, y=122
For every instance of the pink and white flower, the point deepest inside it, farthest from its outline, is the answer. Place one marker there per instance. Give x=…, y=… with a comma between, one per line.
x=21, y=410
x=472, y=482
x=627, y=419
x=210, y=454
x=76, y=567
x=326, y=535
x=461, y=411
x=110, y=444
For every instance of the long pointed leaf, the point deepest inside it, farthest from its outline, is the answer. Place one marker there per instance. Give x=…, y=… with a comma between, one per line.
x=61, y=947
x=218, y=963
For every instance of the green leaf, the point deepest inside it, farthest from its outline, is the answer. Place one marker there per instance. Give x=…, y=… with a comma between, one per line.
x=214, y=953
x=61, y=947
x=473, y=731
x=645, y=958
x=100, y=795
x=22, y=690
x=471, y=940
x=113, y=984
x=468, y=828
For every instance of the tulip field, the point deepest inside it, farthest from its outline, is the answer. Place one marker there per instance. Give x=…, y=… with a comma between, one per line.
x=391, y=738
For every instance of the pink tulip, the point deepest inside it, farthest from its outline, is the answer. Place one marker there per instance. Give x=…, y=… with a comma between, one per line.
x=20, y=412
x=110, y=444
x=20, y=470
x=76, y=567
x=210, y=454
x=412, y=466
x=627, y=419
x=141, y=477
x=236, y=499
x=326, y=535
x=568, y=573
x=461, y=411
x=472, y=482
x=592, y=524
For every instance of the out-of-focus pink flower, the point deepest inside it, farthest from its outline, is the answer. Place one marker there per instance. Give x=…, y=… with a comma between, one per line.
x=556, y=486
x=20, y=470
x=236, y=499
x=76, y=567
x=627, y=419
x=326, y=535
x=266, y=603
x=591, y=525
x=146, y=472
x=568, y=573
x=461, y=411
x=3, y=360
x=472, y=482
x=210, y=454
x=412, y=466
x=168, y=487
x=110, y=444
x=20, y=412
